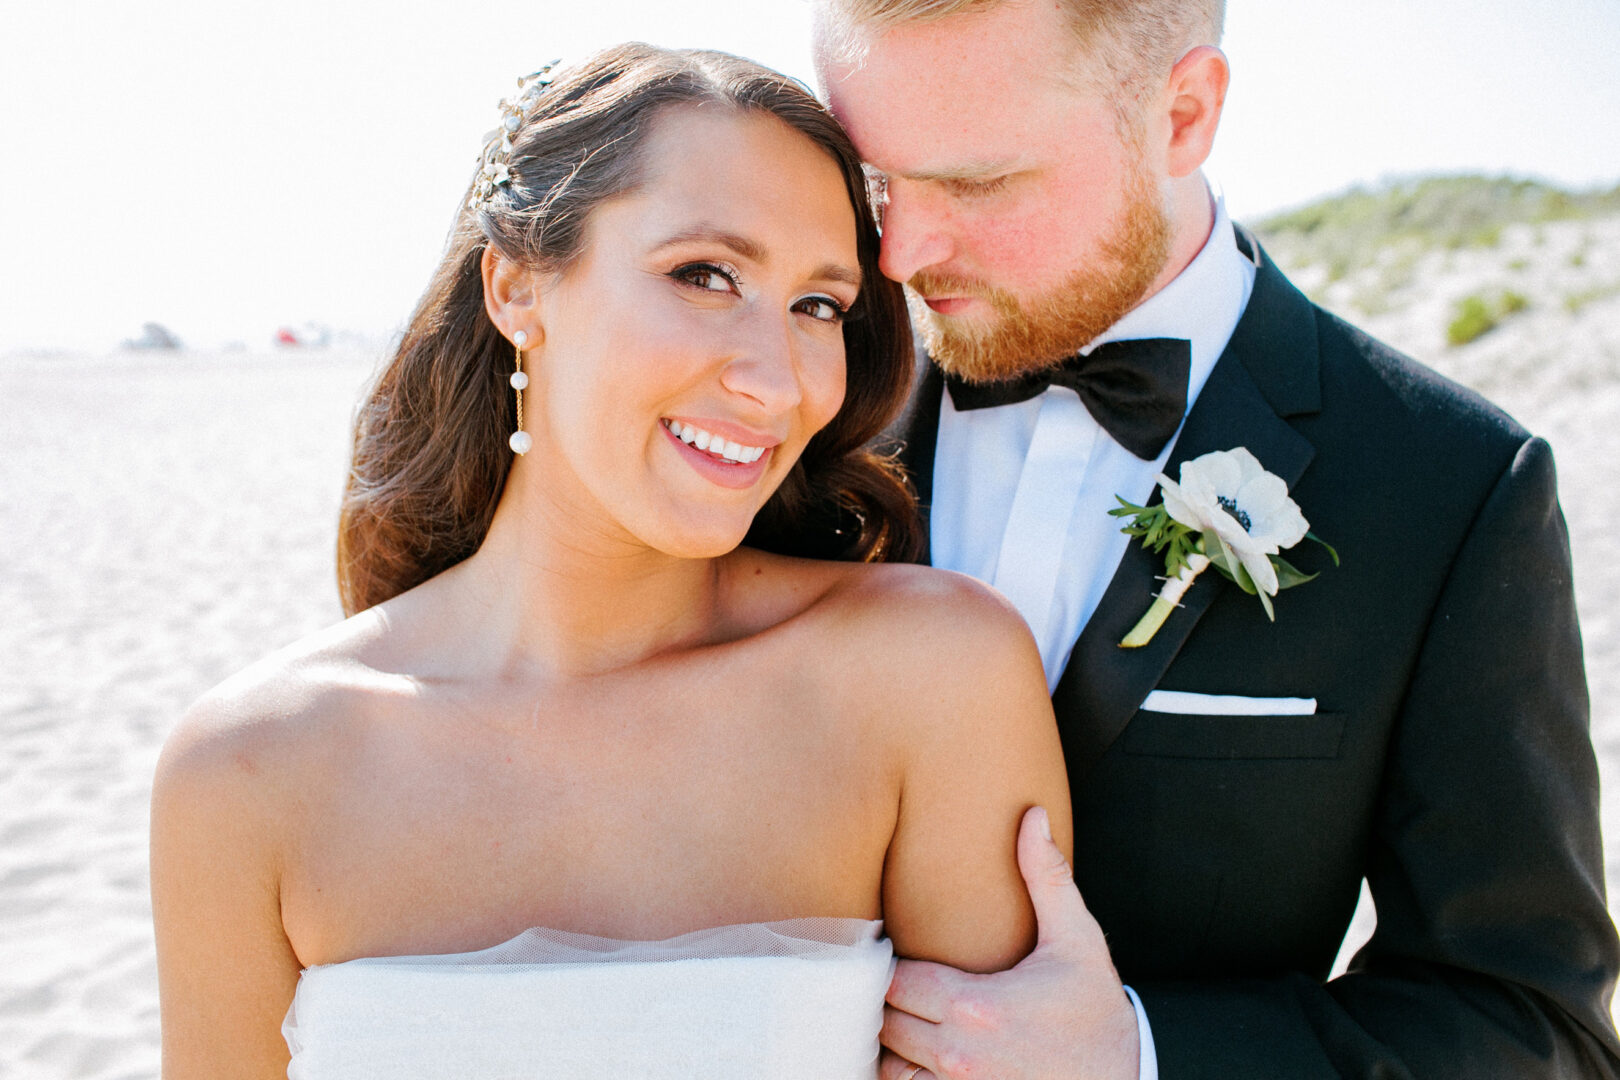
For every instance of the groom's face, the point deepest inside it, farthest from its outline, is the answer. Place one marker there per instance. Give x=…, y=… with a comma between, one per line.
x=1022, y=211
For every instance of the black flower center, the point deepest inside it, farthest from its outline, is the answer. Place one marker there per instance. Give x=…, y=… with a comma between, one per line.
x=1231, y=507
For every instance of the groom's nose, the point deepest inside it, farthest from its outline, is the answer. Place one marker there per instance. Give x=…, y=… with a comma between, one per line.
x=915, y=234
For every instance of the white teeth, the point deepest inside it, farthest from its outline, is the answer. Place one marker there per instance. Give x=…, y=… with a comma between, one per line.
x=733, y=452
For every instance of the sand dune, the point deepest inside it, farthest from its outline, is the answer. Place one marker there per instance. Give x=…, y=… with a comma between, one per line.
x=167, y=518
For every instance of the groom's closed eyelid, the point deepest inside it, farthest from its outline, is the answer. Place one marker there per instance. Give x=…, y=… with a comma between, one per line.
x=971, y=188
x=970, y=172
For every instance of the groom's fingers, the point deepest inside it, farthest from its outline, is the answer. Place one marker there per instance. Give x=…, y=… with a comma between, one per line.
x=1061, y=918
x=923, y=989
x=892, y=1066
x=911, y=1040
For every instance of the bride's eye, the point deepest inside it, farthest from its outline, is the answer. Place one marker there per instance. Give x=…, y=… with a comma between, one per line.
x=710, y=277
x=822, y=308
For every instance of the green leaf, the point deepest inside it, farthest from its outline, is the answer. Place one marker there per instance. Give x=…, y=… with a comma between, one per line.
x=1176, y=558
x=1149, y=522
x=1159, y=532
x=1289, y=575
x=1240, y=574
x=1127, y=508
x=1265, y=602
x=1324, y=543
x=1220, y=556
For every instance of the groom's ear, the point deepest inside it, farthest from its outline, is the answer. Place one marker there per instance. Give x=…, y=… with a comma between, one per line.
x=511, y=296
x=1195, y=96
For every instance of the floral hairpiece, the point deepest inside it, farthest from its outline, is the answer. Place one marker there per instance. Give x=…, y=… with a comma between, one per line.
x=496, y=161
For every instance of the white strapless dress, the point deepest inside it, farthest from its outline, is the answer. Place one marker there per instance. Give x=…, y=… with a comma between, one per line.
x=794, y=1000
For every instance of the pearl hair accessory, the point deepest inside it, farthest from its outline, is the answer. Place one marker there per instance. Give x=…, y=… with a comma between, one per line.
x=495, y=163
x=521, y=441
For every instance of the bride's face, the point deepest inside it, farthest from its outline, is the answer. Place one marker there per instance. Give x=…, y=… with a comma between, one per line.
x=705, y=307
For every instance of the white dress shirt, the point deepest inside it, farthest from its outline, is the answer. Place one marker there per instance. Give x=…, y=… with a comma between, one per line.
x=1022, y=492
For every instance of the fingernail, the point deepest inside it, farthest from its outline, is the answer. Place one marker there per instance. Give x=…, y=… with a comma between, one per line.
x=1046, y=823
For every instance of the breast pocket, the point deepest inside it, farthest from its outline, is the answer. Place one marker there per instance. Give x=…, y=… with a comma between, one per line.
x=1233, y=737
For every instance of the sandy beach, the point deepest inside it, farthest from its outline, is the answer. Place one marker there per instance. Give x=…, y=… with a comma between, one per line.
x=165, y=518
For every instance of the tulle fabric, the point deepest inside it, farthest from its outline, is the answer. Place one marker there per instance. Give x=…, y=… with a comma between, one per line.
x=796, y=1000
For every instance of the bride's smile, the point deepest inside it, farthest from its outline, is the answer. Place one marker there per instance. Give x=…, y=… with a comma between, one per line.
x=725, y=461
x=686, y=358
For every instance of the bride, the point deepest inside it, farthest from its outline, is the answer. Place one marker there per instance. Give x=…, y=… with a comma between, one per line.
x=586, y=785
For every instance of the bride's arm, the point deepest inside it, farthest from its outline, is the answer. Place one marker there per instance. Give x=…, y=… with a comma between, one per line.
x=226, y=972
x=977, y=747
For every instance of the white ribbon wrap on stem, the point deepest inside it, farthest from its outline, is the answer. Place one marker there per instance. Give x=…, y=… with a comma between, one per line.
x=1168, y=600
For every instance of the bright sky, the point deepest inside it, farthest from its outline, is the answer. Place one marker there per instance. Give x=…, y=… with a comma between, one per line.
x=225, y=168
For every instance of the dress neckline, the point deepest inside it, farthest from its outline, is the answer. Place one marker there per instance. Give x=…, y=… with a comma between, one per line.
x=798, y=938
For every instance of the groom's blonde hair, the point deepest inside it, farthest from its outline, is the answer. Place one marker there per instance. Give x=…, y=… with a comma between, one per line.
x=1129, y=43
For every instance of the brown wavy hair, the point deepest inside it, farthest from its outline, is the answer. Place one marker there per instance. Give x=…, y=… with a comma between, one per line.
x=430, y=437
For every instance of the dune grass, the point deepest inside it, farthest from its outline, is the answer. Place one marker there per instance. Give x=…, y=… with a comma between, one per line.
x=1478, y=314
x=1349, y=232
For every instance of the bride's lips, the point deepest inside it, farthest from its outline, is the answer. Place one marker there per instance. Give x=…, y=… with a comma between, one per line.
x=727, y=474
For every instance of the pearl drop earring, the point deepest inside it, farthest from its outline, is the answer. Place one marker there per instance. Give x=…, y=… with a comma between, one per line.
x=521, y=441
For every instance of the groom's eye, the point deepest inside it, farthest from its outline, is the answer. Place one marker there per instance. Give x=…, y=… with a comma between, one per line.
x=978, y=188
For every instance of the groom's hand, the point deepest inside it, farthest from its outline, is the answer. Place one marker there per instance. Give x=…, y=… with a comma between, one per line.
x=1061, y=1013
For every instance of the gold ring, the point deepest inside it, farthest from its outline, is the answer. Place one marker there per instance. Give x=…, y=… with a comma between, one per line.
x=911, y=1072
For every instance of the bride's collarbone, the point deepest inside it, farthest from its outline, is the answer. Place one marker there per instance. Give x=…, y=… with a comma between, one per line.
x=599, y=843
x=808, y=664
x=692, y=810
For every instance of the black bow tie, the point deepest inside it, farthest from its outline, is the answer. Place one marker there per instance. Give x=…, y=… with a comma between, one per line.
x=1137, y=390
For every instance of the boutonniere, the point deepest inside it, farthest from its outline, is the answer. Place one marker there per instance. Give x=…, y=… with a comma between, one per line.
x=1229, y=513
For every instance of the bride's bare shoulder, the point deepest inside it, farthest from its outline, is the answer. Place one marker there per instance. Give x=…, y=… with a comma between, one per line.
x=282, y=716
x=912, y=624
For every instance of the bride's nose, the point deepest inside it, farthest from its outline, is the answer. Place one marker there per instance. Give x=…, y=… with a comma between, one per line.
x=764, y=367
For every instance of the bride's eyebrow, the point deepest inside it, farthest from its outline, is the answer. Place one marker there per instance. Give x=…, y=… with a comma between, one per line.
x=742, y=245
x=752, y=250
x=834, y=272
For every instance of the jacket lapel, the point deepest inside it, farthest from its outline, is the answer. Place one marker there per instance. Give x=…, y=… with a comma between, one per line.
x=1269, y=371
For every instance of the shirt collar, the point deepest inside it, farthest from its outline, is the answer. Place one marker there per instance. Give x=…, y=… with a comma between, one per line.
x=1202, y=304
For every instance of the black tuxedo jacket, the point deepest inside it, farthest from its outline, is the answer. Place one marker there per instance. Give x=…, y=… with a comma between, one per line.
x=1449, y=762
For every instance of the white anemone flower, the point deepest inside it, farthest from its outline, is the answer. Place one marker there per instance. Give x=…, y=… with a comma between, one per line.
x=1230, y=493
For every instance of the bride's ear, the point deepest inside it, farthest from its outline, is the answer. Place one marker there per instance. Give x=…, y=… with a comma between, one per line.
x=511, y=297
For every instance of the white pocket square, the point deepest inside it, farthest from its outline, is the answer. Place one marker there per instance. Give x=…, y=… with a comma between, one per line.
x=1180, y=701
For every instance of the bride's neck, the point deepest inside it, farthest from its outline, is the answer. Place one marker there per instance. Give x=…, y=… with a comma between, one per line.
x=551, y=597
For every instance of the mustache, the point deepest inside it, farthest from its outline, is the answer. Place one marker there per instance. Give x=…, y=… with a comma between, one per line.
x=934, y=283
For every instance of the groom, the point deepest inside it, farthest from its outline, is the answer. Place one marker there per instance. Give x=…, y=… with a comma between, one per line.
x=1416, y=716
